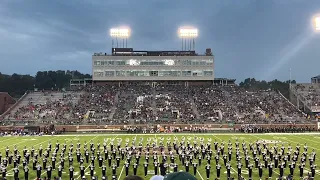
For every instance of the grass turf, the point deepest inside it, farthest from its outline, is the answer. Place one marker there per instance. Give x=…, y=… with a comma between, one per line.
x=312, y=140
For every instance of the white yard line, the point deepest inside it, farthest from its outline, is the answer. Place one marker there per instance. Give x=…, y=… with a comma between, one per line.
x=307, y=139
x=121, y=172
x=8, y=139
x=26, y=142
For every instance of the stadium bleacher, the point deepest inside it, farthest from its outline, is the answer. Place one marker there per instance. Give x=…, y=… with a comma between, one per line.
x=162, y=104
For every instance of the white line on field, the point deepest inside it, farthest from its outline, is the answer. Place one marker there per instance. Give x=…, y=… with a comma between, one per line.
x=8, y=139
x=25, y=142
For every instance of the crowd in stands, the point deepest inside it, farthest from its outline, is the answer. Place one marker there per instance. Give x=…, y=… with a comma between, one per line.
x=136, y=103
x=309, y=92
x=254, y=128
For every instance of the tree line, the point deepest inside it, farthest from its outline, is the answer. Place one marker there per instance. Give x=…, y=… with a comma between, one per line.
x=281, y=86
x=16, y=85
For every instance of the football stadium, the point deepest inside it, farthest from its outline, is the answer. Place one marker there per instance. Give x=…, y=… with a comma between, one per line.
x=149, y=113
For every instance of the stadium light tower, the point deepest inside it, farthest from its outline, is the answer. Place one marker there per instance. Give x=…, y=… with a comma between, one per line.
x=121, y=34
x=188, y=35
x=317, y=23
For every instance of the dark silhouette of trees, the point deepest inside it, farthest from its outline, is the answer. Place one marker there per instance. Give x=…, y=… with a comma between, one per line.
x=16, y=85
x=253, y=84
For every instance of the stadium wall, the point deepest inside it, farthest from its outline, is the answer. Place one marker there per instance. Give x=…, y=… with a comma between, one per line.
x=6, y=101
x=153, y=68
x=85, y=128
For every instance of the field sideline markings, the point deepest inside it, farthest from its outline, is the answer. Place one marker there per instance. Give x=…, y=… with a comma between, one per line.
x=25, y=142
x=9, y=138
x=307, y=139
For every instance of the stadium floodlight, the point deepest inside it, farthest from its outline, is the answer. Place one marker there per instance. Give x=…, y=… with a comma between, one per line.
x=317, y=23
x=188, y=34
x=120, y=33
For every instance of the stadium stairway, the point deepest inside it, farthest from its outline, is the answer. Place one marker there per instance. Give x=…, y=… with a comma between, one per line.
x=153, y=104
x=31, y=97
x=114, y=107
x=194, y=107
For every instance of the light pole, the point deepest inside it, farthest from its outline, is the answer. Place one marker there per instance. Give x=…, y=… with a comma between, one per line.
x=187, y=36
x=120, y=33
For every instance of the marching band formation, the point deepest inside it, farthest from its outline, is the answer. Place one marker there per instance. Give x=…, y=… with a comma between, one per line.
x=160, y=157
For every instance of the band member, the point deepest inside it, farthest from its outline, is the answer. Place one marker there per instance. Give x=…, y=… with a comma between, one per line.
x=114, y=169
x=145, y=165
x=155, y=167
x=26, y=172
x=126, y=164
x=187, y=166
x=239, y=169
x=291, y=166
x=301, y=167
x=250, y=166
x=60, y=168
x=313, y=170
x=270, y=167
x=175, y=167
x=281, y=169
x=135, y=167
x=218, y=167
x=260, y=169
x=82, y=168
x=16, y=173
x=195, y=165
x=39, y=171
x=103, y=170
x=208, y=167
x=49, y=171
x=228, y=167
x=100, y=161
x=71, y=169
x=92, y=170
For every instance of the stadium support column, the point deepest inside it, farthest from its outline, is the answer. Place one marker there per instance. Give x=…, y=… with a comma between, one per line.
x=194, y=48
x=117, y=41
x=182, y=44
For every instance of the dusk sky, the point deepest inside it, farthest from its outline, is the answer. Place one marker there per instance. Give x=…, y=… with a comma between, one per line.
x=249, y=38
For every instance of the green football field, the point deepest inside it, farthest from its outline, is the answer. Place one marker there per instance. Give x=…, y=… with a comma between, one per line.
x=312, y=140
